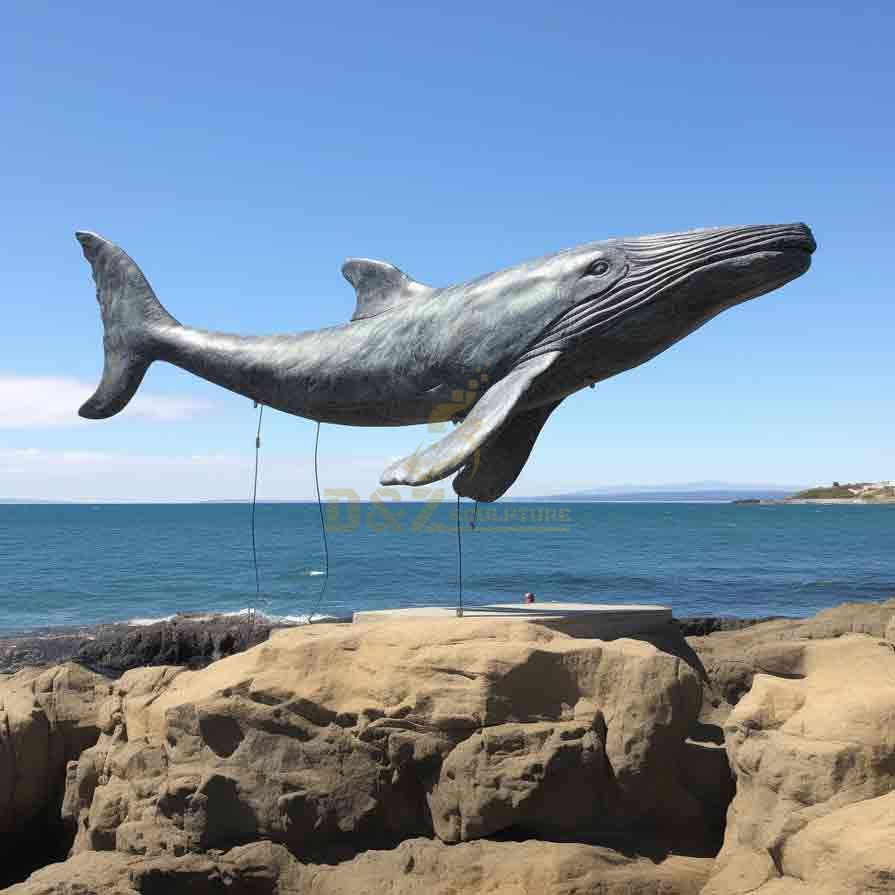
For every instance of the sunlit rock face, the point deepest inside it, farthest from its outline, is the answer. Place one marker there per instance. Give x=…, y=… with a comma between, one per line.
x=482, y=756
x=335, y=734
x=812, y=745
x=415, y=867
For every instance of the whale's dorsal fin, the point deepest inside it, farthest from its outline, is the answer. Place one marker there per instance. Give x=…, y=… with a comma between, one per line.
x=380, y=286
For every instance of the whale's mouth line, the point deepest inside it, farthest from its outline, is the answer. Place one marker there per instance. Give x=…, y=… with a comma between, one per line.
x=715, y=263
x=584, y=318
x=709, y=264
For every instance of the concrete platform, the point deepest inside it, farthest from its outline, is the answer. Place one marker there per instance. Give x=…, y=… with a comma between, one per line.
x=601, y=620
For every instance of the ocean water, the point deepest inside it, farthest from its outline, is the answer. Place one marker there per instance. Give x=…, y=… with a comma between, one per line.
x=77, y=564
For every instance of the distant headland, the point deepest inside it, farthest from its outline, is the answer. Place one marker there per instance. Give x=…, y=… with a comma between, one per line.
x=850, y=493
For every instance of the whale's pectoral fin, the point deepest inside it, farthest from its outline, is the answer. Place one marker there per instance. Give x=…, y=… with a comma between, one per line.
x=380, y=286
x=483, y=423
x=492, y=469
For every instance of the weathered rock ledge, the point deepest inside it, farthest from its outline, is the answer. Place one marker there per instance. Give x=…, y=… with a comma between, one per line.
x=415, y=867
x=480, y=756
x=47, y=718
x=808, y=713
x=190, y=640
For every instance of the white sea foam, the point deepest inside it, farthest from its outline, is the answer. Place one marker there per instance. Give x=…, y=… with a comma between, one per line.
x=301, y=619
x=143, y=622
x=271, y=619
x=260, y=615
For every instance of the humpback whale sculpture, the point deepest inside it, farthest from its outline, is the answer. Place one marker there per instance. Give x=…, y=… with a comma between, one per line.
x=496, y=354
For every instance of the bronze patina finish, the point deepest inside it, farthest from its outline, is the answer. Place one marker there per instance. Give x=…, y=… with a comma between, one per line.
x=496, y=354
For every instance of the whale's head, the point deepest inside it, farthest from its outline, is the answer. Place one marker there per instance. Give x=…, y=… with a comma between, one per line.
x=625, y=300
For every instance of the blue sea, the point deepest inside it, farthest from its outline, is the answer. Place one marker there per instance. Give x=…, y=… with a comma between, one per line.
x=63, y=565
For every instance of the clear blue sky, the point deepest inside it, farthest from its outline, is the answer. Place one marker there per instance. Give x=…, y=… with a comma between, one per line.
x=241, y=152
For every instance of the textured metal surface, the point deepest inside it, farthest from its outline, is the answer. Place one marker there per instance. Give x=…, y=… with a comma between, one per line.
x=496, y=354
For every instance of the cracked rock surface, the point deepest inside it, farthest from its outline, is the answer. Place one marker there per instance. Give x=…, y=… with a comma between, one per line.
x=813, y=748
x=338, y=735
x=414, y=867
x=487, y=756
x=47, y=718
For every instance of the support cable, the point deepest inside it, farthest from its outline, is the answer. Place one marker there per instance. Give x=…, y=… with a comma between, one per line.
x=322, y=530
x=459, y=564
x=253, y=609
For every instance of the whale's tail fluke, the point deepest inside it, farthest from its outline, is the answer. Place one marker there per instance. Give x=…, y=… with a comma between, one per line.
x=132, y=318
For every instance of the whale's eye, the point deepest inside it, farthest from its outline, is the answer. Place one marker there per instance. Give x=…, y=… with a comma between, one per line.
x=598, y=268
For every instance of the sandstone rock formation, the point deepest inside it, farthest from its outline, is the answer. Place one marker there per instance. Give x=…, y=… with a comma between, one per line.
x=813, y=748
x=334, y=734
x=416, y=867
x=47, y=718
x=480, y=757
x=732, y=658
